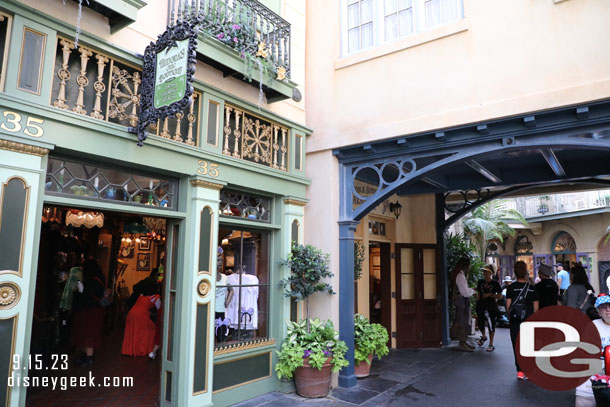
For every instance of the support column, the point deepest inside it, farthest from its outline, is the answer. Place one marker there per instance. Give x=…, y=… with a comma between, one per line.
x=197, y=323
x=442, y=268
x=347, y=378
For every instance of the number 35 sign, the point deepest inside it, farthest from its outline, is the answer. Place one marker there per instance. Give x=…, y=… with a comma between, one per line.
x=13, y=122
x=208, y=168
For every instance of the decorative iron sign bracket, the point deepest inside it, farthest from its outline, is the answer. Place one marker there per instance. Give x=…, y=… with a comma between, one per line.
x=167, y=75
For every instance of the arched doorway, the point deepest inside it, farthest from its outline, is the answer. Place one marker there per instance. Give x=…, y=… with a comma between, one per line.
x=564, y=250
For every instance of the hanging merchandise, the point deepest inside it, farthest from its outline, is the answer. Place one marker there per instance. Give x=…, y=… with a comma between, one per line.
x=78, y=218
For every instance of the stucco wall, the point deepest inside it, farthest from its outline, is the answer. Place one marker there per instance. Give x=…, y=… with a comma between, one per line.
x=504, y=58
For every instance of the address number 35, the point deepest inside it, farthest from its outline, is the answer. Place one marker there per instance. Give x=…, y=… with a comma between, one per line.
x=12, y=123
x=208, y=168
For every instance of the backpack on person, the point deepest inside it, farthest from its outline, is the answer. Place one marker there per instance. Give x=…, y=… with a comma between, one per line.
x=518, y=309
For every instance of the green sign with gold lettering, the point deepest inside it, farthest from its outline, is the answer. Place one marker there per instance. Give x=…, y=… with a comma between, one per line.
x=170, y=75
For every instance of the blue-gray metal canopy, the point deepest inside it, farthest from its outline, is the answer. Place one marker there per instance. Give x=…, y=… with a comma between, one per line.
x=559, y=145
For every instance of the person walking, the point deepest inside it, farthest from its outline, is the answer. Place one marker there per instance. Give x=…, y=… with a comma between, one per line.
x=580, y=292
x=584, y=392
x=488, y=292
x=563, y=279
x=461, y=300
x=521, y=302
x=547, y=290
x=88, y=317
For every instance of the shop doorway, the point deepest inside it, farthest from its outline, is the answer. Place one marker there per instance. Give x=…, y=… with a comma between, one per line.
x=418, y=321
x=94, y=267
x=380, y=284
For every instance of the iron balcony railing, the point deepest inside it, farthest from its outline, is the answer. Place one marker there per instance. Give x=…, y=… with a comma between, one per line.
x=244, y=25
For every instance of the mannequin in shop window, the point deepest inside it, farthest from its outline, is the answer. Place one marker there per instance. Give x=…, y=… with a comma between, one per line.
x=242, y=310
x=88, y=317
x=140, y=329
x=224, y=295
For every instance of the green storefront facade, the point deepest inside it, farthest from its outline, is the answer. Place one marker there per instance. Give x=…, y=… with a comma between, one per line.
x=223, y=172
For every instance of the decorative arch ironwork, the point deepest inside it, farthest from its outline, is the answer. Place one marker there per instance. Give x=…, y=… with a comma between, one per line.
x=563, y=243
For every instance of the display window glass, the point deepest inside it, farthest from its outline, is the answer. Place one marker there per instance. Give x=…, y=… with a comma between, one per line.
x=242, y=286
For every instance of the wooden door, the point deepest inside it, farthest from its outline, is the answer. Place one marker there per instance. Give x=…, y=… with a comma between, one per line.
x=417, y=302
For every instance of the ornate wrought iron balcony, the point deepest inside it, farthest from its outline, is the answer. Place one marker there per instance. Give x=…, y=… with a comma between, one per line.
x=248, y=27
x=242, y=38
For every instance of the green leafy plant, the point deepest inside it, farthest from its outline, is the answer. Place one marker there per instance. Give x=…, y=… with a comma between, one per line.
x=369, y=339
x=358, y=259
x=308, y=266
x=314, y=341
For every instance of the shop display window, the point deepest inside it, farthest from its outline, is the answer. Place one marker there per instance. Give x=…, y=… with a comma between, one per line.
x=242, y=286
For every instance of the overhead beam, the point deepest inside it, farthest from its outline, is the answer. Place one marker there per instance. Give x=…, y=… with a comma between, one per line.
x=483, y=171
x=553, y=162
x=435, y=183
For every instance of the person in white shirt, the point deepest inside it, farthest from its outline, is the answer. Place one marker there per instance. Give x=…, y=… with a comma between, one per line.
x=584, y=392
x=461, y=299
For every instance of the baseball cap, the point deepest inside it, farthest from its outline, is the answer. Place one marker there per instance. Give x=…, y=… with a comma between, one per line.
x=489, y=268
x=558, y=265
x=602, y=299
x=507, y=279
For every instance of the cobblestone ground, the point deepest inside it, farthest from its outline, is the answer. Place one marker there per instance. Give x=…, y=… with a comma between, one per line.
x=435, y=377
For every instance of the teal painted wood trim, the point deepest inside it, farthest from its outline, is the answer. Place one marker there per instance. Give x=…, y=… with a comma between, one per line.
x=66, y=128
x=7, y=330
x=201, y=348
x=111, y=206
x=217, y=147
x=13, y=210
x=205, y=240
x=250, y=224
x=15, y=56
x=68, y=30
x=240, y=371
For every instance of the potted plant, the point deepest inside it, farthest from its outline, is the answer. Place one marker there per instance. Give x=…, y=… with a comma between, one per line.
x=312, y=349
x=311, y=356
x=370, y=339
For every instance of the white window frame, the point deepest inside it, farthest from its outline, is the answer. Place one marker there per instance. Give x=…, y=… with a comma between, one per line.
x=419, y=21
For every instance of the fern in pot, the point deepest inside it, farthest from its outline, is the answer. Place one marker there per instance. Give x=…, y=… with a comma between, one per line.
x=370, y=339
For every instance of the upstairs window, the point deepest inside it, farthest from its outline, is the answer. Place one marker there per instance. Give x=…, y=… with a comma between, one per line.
x=372, y=22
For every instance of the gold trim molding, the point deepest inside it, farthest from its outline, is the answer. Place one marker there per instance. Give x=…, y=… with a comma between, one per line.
x=203, y=288
x=296, y=202
x=10, y=294
x=257, y=343
x=206, y=184
x=22, y=148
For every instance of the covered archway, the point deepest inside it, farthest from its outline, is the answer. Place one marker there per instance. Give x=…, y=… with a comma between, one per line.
x=570, y=144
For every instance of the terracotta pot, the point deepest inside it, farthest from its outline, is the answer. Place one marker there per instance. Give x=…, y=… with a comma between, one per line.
x=363, y=369
x=311, y=382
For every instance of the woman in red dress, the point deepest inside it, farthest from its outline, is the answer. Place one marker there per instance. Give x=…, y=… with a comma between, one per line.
x=139, y=338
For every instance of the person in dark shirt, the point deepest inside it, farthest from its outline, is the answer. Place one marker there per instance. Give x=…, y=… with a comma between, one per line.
x=521, y=302
x=547, y=289
x=488, y=291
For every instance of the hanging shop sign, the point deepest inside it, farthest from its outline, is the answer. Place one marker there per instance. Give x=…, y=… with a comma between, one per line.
x=167, y=75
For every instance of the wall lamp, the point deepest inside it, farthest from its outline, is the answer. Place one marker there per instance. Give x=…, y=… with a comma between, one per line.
x=395, y=208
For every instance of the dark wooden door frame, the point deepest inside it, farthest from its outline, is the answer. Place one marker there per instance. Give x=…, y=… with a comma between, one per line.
x=418, y=292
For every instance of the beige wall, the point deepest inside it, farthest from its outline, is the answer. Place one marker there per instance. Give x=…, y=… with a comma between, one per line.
x=152, y=20
x=587, y=231
x=504, y=58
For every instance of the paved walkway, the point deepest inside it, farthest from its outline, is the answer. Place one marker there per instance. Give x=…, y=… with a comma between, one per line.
x=435, y=377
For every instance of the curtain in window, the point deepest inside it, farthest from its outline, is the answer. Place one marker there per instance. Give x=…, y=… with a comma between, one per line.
x=398, y=18
x=359, y=24
x=441, y=11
